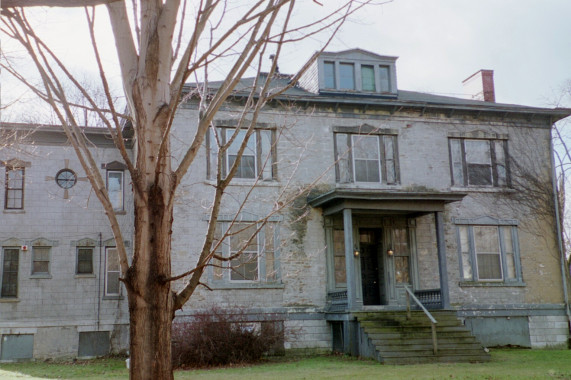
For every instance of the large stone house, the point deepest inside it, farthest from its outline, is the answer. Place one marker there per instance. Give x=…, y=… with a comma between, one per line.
x=448, y=199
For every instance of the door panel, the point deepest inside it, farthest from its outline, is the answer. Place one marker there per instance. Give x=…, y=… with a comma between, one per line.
x=371, y=269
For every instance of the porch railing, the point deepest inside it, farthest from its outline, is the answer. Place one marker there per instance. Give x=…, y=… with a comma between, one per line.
x=433, y=322
x=430, y=298
x=338, y=300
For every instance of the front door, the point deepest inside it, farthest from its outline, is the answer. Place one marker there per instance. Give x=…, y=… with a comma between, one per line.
x=371, y=266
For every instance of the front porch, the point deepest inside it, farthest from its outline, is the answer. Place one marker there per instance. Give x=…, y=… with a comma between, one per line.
x=379, y=244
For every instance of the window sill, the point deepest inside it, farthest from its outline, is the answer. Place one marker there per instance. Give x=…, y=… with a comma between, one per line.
x=248, y=182
x=476, y=189
x=9, y=300
x=488, y=284
x=84, y=276
x=246, y=285
x=367, y=185
x=109, y=298
x=14, y=211
x=41, y=276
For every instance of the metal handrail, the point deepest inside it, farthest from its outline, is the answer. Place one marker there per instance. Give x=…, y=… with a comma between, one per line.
x=433, y=322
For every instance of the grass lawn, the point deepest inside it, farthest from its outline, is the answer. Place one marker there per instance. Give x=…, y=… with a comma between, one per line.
x=505, y=364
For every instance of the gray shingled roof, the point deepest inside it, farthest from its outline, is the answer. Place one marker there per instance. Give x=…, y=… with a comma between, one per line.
x=403, y=99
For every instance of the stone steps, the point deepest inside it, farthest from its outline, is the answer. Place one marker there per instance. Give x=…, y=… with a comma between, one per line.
x=398, y=340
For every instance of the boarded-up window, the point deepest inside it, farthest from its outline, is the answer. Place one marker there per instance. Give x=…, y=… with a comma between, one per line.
x=17, y=347
x=93, y=343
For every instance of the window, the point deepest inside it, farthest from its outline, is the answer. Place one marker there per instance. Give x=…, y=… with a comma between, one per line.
x=10, y=263
x=365, y=76
x=258, y=158
x=346, y=76
x=489, y=252
x=14, y=188
x=329, y=74
x=84, y=260
x=112, y=272
x=363, y=158
x=368, y=78
x=41, y=260
x=251, y=255
x=115, y=189
x=479, y=162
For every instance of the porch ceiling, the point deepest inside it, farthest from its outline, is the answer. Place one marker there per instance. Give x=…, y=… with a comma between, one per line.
x=383, y=201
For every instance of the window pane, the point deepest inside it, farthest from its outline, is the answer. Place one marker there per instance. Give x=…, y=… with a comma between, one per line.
x=212, y=153
x=329, y=71
x=368, y=78
x=271, y=273
x=245, y=266
x=85, y=260
x=509, y=252
x=115, y=189
x=500, y=162
x=346, y=76
x=247, y=164
x=402, y=269
x=456, y=157
x=488, y=252
x=266, y=154
x=112, y=272
x=14, y=188
x=343, y=151
x=478, y=162
x=112, y=260
x=366, y=156
x=489, y=267
x=389, y=159
x=465, y=251
x=384, y=76
x=40, y=260
x=112, y=284
x=339, y=256
x=10, y=273
x=218, y=264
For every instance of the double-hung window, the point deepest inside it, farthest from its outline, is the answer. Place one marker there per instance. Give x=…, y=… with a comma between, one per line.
x=112, y=272
x=14, y=188
x=248, y=252
x=115, y=189
x=84, y=260
x=10, y=264
x=258, y=157
x=479, y=162
x=488, y=250
x=41, y=260
x=366, y=158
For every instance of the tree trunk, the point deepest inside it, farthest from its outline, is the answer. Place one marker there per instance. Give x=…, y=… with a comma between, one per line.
x=151, y=300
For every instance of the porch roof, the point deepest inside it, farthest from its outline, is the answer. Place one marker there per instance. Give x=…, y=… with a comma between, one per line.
x=404, y=202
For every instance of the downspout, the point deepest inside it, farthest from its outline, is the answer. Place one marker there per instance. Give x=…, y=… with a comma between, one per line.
x=99, y=282
x=559, y=232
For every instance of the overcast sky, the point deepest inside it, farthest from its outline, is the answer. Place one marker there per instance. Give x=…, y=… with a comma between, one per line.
x=439, y=43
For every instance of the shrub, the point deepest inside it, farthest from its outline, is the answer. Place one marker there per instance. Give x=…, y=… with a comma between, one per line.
x=221, y=337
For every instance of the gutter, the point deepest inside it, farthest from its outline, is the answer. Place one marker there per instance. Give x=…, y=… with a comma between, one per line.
x=559, y=233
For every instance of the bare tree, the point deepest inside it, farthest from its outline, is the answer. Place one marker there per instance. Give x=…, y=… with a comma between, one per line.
x=159, y=47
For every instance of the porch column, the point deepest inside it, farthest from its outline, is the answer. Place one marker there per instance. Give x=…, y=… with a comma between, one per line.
x=350, y=261
x=441, y=244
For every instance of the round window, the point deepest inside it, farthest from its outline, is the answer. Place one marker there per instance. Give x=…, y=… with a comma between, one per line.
x=66, y=178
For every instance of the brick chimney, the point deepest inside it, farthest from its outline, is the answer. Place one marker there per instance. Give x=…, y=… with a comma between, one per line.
x=480, y=86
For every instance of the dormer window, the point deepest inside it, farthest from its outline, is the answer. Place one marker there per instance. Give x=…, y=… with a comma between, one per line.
x=357, y=71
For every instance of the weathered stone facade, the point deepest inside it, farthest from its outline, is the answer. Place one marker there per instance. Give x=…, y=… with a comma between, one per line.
x=414, y=215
